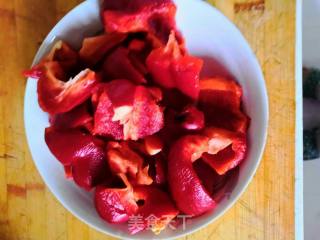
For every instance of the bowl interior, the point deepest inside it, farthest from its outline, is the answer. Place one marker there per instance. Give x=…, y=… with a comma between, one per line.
x=209, y=35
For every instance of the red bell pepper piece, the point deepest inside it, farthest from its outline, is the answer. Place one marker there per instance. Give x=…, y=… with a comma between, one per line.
x=157, y=210
x=180, y=123
x=172, y=129
x=157, y=16
x=95, y=48
x=137, y=45
x=138, y=60
x=119, y=66
x=193, y=118
x=215, y=89
x=103, y=123
x=84, y=153
x=56, y=96
x=227, y=151
x=153, y=145
x=156, y=93
x=115, y=205
x=156, y=163
x=133, y=108
x=61, y=52
x=211, y=180
x=146, y=118
x=123, y=160
x=186, y=188
x=171, y=68
x=77, y=117
x=220, y=99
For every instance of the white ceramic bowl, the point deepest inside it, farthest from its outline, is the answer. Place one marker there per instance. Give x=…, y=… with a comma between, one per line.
x=208, y=34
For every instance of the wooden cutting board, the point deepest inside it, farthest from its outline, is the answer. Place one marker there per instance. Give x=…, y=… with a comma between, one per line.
x=28, y=211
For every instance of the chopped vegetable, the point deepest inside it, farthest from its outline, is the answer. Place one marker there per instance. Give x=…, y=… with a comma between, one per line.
x=131, y=118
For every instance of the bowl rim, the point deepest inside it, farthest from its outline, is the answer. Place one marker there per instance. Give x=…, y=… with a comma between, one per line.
x=45, y=46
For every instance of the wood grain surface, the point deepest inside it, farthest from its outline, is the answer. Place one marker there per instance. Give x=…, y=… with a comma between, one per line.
x=28, y=211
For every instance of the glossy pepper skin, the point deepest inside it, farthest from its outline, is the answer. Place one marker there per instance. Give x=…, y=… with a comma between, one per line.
x=56, y=93
x=220, y=100
x=213, y=147
x=103, y=119
x=171, y=68
x=127, y=112
x=186, y=188
x=95, y=48
x=77, y=117
x=193, y=118
x=118, y=65
x=230, y=149
x=123, y=160
x=211, y=180
x=57, y=96
x=156, y=17
x=62, y=53
x=115, y=205
x=157, y=204
x=83, y=153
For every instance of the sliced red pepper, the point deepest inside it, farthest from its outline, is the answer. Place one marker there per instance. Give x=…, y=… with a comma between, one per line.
x=61, y=52
x=115, y=205
x=146, y=117
x=157, y=210
x=153, y=145
x=65, y=55
x=77, y=117
x=84, y=153
x=121, y=93
x=123, y=160
x=170, y=68
x=154, y=41
x=56, y=96
x=157, y=16
x=132, y=107
x=216, y=89
x=157, y=163
x=211, y=180
x=95, y=48
x=137, y=45
x=119, y=66
x=114, y=103
x=138, y=147
x=227, y=151
x=220, y=99
x=103, y=123
x=139, y=49
x=156, y=93
x=180, y=123
x=172, y=129
x=138, y=61
x=193, y=118
x=187, y=190
x=176, y=100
